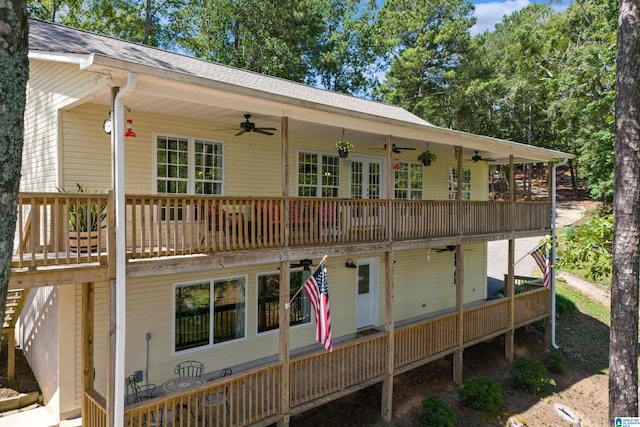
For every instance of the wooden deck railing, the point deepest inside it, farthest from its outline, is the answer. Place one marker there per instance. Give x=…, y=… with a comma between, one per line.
x=425, y=339
x=236, y=400
x=254, y=396
x=532, y=305
x=351, y=364
x=94, y=412
x=52, y=229
x=168, y=225
x=486, y=320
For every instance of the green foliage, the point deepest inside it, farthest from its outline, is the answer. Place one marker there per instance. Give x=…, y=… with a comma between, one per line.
x=85, y=216
x=482, y=394
x=530, y=374
x=434, y=412
x=553, y=361
x=589, y=246
x=426, y=39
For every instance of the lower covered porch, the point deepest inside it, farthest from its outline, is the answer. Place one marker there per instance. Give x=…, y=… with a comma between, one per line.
x=273, y=390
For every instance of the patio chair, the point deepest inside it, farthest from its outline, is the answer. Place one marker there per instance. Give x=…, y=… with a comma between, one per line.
x=216, y=399
x=147, y=391
x=138, y=392
x=189, y=368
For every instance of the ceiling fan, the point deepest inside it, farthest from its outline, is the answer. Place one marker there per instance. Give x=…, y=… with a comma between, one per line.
x=249, y=126
x=449, y=248
x=304, y=263
x=396, y=149
x=477, y=157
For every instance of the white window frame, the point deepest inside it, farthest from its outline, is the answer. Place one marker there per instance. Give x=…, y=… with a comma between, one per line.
x=211, y=283
x=191, y=179
x=301, y=295
x=409, y=190
x=319, y=186
x=452, y=183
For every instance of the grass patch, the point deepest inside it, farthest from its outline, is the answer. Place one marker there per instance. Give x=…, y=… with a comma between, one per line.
x=584, y=304
x=583, y=334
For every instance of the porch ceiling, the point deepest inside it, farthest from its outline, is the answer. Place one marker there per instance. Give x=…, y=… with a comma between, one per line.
x=225, y=112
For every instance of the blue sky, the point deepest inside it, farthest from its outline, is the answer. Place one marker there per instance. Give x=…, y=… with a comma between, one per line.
x=490, y=12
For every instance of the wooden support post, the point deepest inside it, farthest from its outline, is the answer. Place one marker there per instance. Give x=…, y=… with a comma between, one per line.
x=387, y=384
x=283, y=321
x=459, y=283
x=510, y=288
x=11, y=353
x=284, y=211
x=87, y=336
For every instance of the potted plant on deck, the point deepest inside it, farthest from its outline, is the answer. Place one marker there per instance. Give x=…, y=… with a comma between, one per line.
x=426, y=157
x=86, y=219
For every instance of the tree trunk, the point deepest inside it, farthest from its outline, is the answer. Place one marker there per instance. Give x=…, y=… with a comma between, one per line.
x=14, y=72
x=623, y=349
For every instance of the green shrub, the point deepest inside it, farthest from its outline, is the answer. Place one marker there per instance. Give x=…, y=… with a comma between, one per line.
x=530, y=374
x=482, y=394
x=553, y=361
x=434, y=412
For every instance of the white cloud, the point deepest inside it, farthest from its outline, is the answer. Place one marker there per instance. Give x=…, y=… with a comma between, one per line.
x=489, y=14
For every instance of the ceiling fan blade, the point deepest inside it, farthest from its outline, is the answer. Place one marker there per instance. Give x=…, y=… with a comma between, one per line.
x=240, y=133
x=264, y=131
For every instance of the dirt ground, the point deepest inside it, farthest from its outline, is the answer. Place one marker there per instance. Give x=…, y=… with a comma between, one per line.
x=24, y=381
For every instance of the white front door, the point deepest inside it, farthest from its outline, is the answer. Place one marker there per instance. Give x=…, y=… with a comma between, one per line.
x=367, y=293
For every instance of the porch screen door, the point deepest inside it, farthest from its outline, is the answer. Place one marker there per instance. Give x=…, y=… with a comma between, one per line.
x=367, y=293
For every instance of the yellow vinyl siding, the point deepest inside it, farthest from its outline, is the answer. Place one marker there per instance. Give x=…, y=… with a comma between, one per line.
x=51, y=88
x=422, y=286
x=150, y=309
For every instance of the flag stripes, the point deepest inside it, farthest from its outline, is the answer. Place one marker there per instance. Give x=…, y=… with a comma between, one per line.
x=318, y=293
x=545, y=266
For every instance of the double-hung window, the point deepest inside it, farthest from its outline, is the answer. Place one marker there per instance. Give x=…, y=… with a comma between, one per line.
x=408, y=181
x=269, y=300
x=318, y=175
x=209, y=312
x=188, y=166
x=453, y=183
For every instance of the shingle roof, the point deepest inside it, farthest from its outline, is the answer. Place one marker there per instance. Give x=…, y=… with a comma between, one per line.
x=48, y=37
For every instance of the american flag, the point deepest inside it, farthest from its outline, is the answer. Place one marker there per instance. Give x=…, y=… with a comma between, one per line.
x=318, y=293
x=543, y=262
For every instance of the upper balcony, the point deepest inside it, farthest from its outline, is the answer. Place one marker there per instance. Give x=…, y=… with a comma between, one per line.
x=160, y=226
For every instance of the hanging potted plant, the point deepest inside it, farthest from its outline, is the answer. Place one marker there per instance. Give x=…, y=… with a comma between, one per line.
x=426, y=157
x=85, y=222
x=343, y=146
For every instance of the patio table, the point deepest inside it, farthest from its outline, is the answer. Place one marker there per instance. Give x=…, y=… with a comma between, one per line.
x=175, y=385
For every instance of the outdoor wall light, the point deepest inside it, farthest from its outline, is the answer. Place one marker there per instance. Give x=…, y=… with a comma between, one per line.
x=350, y=264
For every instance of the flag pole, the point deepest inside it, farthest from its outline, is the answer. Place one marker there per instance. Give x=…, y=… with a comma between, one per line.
x=530, y=252
x=299, y=289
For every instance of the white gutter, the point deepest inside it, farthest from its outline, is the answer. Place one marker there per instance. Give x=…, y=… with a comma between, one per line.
x=121, y=254
x=84, y=60
x=553, y=251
